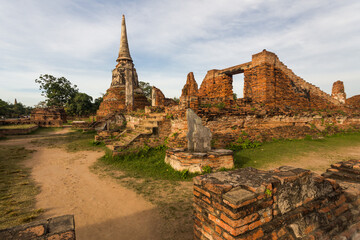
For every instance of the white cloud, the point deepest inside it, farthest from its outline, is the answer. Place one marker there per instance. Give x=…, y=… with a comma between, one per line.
x=80, y=39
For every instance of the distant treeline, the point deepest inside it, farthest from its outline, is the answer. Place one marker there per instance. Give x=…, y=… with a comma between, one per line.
x=16, y=110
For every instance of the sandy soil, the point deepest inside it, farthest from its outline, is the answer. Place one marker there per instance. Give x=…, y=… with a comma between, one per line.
x=103, y=209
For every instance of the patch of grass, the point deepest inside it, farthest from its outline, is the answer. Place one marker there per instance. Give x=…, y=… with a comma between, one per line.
x=45, y=130
x=146, y=163
x=20, y=126
x=17, y=190
x=281, y=150
x=72, y=141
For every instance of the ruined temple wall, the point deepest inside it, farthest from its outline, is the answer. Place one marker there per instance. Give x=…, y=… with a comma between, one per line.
x=227, y=129
x=216, y=88
x=269, y=81
x=284, y=203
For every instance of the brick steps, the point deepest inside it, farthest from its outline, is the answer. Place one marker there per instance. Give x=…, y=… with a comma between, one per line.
x=147, y=126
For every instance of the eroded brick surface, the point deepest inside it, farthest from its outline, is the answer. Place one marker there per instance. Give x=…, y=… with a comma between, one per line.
x=284, y=203
x=62, y=227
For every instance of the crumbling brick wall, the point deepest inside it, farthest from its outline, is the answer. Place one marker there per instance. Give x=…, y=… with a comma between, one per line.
x=354, y=101
x=269, y=81
x=158, y=99
x=216, y=88
x=284, y=203
x=114, y=101
x=48, y=117
x=53, y=228
x=338, y=92
x=189, y=95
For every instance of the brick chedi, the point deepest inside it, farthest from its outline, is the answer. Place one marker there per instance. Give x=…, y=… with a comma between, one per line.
x=189, y=95
x=338, y=92
x=124, y=92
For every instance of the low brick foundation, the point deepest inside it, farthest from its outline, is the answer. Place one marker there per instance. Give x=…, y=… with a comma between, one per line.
x=51, y=229
x=181, y=160
x=18, y=131
x=284, y=203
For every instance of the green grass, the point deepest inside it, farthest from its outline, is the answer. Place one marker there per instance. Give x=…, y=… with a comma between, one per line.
x=282, y=150
x=45, y=130
x=17, y=190
x=72, y=141
x=22, y=126
x=147, y=163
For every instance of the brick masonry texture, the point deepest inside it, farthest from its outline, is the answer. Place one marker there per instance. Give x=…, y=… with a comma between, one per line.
x=159, y=100
x=227, y=127
x=338, y=92
x=114, y=100
x=189, y=95
x=284, y=203
x=48, y=117
x=266, y=80
x=181, y=160
x=62, y=227
x=354, y=101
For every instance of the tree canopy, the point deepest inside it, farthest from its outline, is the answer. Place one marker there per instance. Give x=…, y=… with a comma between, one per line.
x=9, y=110
x=146, y=88
x=58, y=91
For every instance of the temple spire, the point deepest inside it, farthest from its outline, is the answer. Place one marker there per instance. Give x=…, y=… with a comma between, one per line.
x=124, y=52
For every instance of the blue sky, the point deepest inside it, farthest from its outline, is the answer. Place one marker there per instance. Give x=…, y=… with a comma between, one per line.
x=318, y=40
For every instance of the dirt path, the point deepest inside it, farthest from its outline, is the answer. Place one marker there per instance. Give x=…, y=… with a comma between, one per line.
x=103, y=209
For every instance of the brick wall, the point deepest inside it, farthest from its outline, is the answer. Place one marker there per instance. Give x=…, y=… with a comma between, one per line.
x=227, y=128
x=48, y=117
x=51, y=229
x=266, y=80
x=114, y=101
x=284, y=203
x=216, y=88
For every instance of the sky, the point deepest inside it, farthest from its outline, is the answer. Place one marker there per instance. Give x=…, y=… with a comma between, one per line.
x=79, y=40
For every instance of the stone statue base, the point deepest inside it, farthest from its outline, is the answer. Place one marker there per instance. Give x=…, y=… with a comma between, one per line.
x=181, y=159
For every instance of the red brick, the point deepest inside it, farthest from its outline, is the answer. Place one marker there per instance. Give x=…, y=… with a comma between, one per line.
x=341, y=200
x=256, y=235
x=202, y=191
x=228, y=236
x=255, y=225
x=240, y=222
x=341, y=209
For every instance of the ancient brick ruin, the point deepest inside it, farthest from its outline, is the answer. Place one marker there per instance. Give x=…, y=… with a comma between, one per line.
x=338, y=92
x=284, y=203
x=198, y=153
x=124, y=93
x=266, y=80
x=158, y=99
x=48, y=117
x=62, y=227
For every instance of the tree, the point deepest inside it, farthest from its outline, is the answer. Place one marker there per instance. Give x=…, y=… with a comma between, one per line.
x=58, y=91
x=4, y=108
x=146, y=88
x=97, y=103
x=80, y=105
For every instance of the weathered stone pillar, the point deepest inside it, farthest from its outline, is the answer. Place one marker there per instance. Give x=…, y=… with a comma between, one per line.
x=129, y=90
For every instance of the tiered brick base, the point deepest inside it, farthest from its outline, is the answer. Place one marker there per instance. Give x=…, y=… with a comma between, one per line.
x=285, y=203
x=181, y=160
